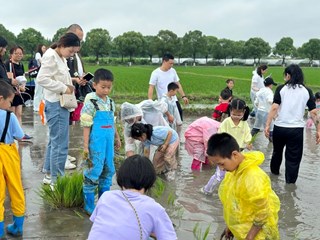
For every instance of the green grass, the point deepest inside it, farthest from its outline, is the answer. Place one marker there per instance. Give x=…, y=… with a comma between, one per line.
x=202, y=84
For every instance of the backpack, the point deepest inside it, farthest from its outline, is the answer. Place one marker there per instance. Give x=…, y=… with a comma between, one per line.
x=33, y=68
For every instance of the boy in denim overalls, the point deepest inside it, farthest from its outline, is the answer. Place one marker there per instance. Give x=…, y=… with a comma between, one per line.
x=100, y=136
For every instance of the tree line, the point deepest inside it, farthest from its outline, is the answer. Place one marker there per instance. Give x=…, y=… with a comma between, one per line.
x=194, y=44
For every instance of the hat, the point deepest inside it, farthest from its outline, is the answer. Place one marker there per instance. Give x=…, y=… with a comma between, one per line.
x=3, y=42
x=268, y=81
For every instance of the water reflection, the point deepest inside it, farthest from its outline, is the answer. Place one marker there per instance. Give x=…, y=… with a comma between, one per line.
x=298, y=216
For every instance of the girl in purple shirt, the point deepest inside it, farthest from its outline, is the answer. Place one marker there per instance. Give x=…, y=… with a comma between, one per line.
x=128, y=214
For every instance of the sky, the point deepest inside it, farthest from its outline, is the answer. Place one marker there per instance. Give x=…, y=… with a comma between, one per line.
x=270, y=20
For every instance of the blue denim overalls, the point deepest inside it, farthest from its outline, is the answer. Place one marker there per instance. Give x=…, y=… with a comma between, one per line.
x=101, y=153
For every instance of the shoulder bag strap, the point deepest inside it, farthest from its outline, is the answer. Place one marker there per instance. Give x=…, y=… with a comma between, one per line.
x=135, y=212
x=4, y=133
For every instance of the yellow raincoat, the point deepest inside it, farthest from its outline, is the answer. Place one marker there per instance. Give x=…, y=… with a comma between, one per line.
x=248, y=199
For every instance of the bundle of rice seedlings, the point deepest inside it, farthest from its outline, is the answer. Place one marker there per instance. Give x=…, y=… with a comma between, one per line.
x=67, y=192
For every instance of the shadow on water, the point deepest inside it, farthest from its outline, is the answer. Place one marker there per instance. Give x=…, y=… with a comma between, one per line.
x=298, y=217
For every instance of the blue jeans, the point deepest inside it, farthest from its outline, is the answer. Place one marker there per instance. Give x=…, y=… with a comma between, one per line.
x=57, y=149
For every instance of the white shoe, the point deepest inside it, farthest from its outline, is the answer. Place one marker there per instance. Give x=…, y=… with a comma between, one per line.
x=170, y=175
x=47, y=179
x=71, y=159
x=68, y=165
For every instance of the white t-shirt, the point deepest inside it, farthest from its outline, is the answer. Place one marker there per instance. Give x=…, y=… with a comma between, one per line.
x=292, y=103
x=161, y=79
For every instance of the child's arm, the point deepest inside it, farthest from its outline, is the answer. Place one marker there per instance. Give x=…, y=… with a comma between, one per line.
x=146, y=152
x=86, y=134
x=165, y=144
x=254, y=230
x=169, y=116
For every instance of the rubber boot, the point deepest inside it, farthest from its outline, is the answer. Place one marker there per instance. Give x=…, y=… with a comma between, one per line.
x=89, y=202
x=1, y=230
x=196, y=165
x=16, y=228
x=102, y=190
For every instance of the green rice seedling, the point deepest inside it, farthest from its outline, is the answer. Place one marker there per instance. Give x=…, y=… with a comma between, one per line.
x=67, y=192
x=158, y=188
x=198, y=234
x=253, y=139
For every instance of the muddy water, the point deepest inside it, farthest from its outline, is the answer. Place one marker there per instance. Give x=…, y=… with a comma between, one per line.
x=298, y=217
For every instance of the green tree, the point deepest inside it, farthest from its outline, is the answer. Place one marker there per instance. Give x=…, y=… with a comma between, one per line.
x=59, y=34
x=167, y=42
x=256, y=48
x=209, y=46
x=284, y=48
x=194, y=44
x=132, y=43
x=150, y=46
x=226, y=47
x=29, y=39
x=9, y=36
x=98, y=42
x=311, y=50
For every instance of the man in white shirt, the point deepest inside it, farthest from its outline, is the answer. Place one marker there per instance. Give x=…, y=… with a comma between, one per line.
x=162, y=76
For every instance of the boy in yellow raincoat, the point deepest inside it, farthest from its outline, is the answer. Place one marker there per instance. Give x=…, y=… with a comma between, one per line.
x=250, y=206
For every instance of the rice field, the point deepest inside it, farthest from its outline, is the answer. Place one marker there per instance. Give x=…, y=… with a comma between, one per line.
x=202, y=84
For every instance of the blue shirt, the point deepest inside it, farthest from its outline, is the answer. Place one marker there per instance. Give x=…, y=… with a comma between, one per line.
x=159, y=135
x=14, y=129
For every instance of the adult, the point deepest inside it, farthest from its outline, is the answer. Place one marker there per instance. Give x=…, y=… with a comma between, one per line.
x=76, y=70
x=289, y=103
x=162, y=76
x=54, y=77
x=128, y=213
x=257, y=84
x=38, y=90
x=3, y=71
x=15, y=67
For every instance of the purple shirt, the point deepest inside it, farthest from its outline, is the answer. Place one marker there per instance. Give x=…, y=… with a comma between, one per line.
x=114, y=218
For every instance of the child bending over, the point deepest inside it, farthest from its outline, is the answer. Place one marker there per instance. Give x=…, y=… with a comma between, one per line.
x=220, y=111
x=250, y=206
x=167, y=141
x=197, y=135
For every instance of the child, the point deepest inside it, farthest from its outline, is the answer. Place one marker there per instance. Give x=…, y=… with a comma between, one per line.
x=197, y=135
x=250, y=206
x=128, y=213
x=220, y=111
x=10, y=171
x=230, y=85
x=263, y=102
x=99, y=137
x=147, y=111
x=310, y=121
x=167, y=141
x=172, y=115
x=237, y=126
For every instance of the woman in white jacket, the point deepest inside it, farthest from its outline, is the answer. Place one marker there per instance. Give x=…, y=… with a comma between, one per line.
x=257, y=83
x=55, y=79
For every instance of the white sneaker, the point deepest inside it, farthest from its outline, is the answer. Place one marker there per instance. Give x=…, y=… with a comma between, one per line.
x=47, y=179
x=71, y=159
x=68, y=165
x=205, y=192
x=170, y=175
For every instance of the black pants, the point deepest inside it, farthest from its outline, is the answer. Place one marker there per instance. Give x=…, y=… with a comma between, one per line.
x=180, y=110
x=292, y=139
